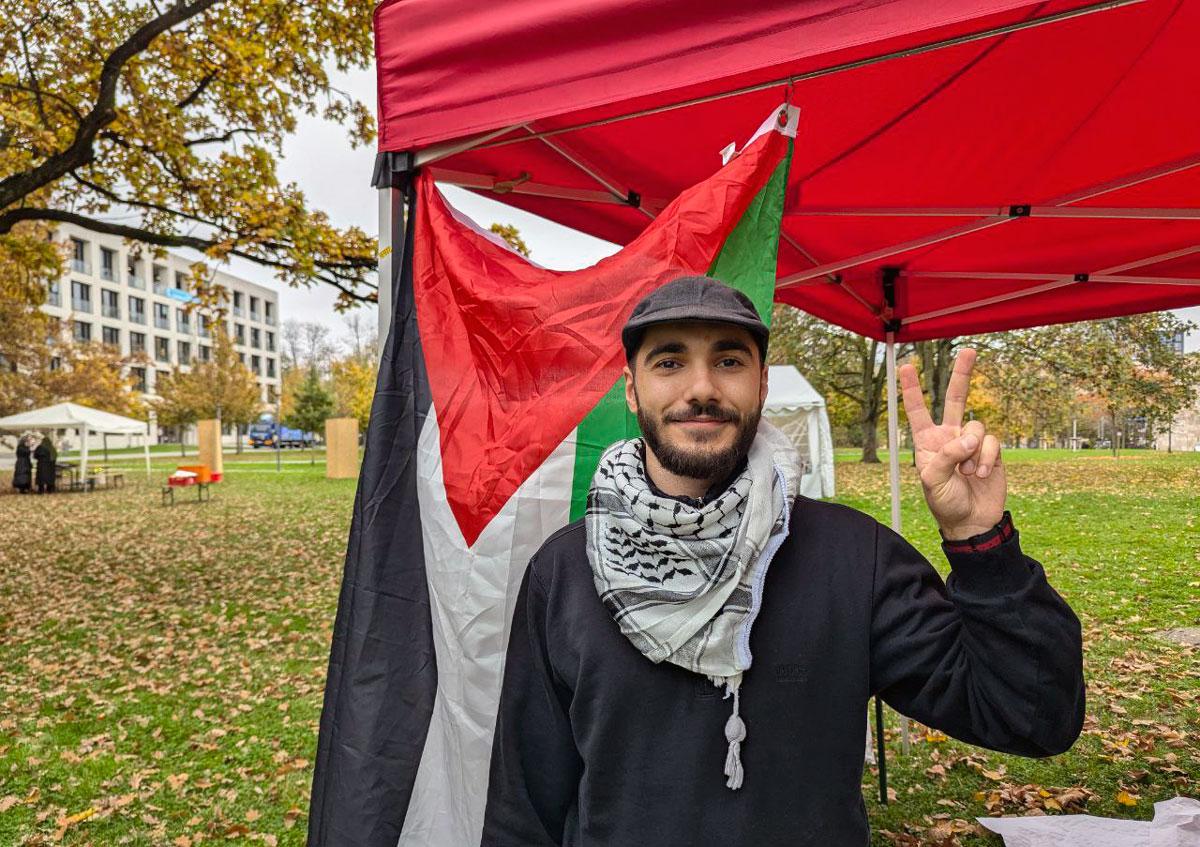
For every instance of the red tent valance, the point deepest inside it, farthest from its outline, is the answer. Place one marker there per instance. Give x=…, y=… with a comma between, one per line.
x=1014, y=163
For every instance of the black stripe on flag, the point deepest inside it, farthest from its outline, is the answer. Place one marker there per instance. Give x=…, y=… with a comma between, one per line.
x=382, y=678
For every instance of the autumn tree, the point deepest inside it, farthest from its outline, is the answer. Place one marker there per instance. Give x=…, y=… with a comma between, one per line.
x=353, y=379
x=222, y=387
x=313, y=405
x=94, y=375
x=27, y=261
x=173, y=116
x=836, y=362
x=512, y=237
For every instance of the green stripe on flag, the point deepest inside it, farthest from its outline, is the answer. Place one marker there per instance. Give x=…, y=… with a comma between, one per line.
x=746, y=262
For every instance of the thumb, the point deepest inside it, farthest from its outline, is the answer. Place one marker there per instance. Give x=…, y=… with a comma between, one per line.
x=943, y=464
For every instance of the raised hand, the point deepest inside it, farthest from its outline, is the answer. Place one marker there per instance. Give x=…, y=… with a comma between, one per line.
x=961, y=472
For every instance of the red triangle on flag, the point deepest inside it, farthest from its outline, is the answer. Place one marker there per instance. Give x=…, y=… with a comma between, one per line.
x=518, y=355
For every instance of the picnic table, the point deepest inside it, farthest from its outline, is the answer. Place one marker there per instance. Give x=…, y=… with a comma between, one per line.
x=198, y=477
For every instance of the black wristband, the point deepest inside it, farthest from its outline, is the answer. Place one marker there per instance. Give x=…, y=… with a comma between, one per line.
x=989, y=540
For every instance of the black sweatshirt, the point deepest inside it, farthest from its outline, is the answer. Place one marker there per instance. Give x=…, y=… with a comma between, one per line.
x=596, y=746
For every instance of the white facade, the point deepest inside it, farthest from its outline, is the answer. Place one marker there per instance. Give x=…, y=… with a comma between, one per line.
x=116, y=292
x=1184, y=433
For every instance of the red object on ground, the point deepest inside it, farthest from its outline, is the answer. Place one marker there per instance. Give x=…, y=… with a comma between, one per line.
x=178, y=481
x=1017, y=163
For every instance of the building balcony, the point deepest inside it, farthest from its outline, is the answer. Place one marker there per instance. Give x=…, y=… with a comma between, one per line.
x=80, y=305
x=81, y=265
x=135, y=281
x=113, y=312
x=162, y=323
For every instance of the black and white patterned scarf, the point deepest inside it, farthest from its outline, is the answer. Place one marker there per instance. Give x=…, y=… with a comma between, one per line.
x=684, y=583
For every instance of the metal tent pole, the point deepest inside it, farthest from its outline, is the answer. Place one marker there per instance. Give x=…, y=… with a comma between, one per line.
x=894, y=476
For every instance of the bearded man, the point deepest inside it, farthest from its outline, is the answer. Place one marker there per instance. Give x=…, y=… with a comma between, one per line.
x=690, y=664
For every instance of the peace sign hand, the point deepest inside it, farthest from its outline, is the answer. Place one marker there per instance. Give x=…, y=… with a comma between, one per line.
x=960, y=467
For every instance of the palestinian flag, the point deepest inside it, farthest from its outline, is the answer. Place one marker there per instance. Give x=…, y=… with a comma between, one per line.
x=498, y=391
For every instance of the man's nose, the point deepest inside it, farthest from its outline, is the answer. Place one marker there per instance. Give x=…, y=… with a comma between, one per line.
x=702, y=388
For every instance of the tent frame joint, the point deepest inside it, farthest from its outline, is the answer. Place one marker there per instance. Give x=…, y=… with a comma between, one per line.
x=634, y=199
x=1020, y=210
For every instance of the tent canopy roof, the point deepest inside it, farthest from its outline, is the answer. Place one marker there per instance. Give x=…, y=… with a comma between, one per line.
x=789, y=391
x=73, y=416
x=961, y=165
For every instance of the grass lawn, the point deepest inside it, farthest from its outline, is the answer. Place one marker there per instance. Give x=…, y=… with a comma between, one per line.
x=161, y=668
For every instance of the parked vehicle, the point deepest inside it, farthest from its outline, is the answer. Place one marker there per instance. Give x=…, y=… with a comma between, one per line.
x=267, y=433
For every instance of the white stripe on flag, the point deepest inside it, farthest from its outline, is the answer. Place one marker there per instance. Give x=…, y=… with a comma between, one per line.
x=472, y=593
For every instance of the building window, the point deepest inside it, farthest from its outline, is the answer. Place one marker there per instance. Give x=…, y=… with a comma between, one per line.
x=269, y=313
x=79, y=260
x=55, y=363
x=182, y=321
x=159, y=376
x=270, y=367
x=242, y=358
x=139, y=379
x=205, y=353
x=181, y=281
x=270, y=342
x=111, y=335
x=108, y=264
x=137, y=342
x=1176, y=343
x=81, y=296
x=253, y=308
x=255, y=338
x=162, y=349
x=256, y=364
x=137, y=310
x=158, y=279
x=202, y=326
x=162, y=316
x=110, y=304
x=133, y=274
x=239, y=332
x=83, y=331
x=53, y=293
x=237, y=304
x=185, y=353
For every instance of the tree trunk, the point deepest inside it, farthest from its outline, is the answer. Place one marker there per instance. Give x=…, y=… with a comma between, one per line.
x=937, y=363
x=238, y=430
x=873, y=379
x=870, y=452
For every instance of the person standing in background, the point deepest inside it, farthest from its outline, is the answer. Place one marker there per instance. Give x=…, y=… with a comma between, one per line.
x=46, y=457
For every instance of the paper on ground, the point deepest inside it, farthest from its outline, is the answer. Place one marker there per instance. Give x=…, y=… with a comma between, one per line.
x=1176, y=824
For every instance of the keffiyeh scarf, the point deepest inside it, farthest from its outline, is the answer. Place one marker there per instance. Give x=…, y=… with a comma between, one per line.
x=684, y=583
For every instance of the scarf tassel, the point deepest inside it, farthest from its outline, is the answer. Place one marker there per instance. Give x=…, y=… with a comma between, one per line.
x=735, y=734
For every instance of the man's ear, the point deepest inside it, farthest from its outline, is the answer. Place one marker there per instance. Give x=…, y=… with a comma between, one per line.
x=762, y=391
x=630, y=393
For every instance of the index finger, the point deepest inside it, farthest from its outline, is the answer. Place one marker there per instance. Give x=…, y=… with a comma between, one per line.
x=956, y=390
x=914, y=399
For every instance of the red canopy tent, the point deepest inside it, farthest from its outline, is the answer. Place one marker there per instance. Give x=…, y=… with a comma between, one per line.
x=961, y=167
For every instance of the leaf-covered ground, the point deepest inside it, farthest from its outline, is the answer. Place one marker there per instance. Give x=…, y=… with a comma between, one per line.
x=161, y=668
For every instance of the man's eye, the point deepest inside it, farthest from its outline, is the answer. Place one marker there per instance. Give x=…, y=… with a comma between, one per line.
x=730, y=362
x=668, y=364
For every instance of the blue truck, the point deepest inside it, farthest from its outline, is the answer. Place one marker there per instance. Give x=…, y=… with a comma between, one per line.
x=268, y=433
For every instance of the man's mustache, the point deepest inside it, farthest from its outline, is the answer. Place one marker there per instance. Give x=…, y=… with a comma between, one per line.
x=710, y=411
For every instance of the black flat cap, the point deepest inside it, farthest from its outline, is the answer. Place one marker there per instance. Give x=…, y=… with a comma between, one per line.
x=693, y=298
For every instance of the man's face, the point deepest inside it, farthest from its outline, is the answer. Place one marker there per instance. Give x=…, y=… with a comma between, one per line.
x=698, y=389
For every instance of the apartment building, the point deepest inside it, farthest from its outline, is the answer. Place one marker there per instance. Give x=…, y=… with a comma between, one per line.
x=115, y=294
x=1184, y=432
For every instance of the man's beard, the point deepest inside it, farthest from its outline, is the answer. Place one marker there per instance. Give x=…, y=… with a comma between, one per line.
x=696, y=462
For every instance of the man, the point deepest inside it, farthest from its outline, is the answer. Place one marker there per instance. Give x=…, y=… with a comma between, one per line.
x=691, y=663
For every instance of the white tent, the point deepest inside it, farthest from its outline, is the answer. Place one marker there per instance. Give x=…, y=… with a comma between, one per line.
x=795, y=407
x=84, y=419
